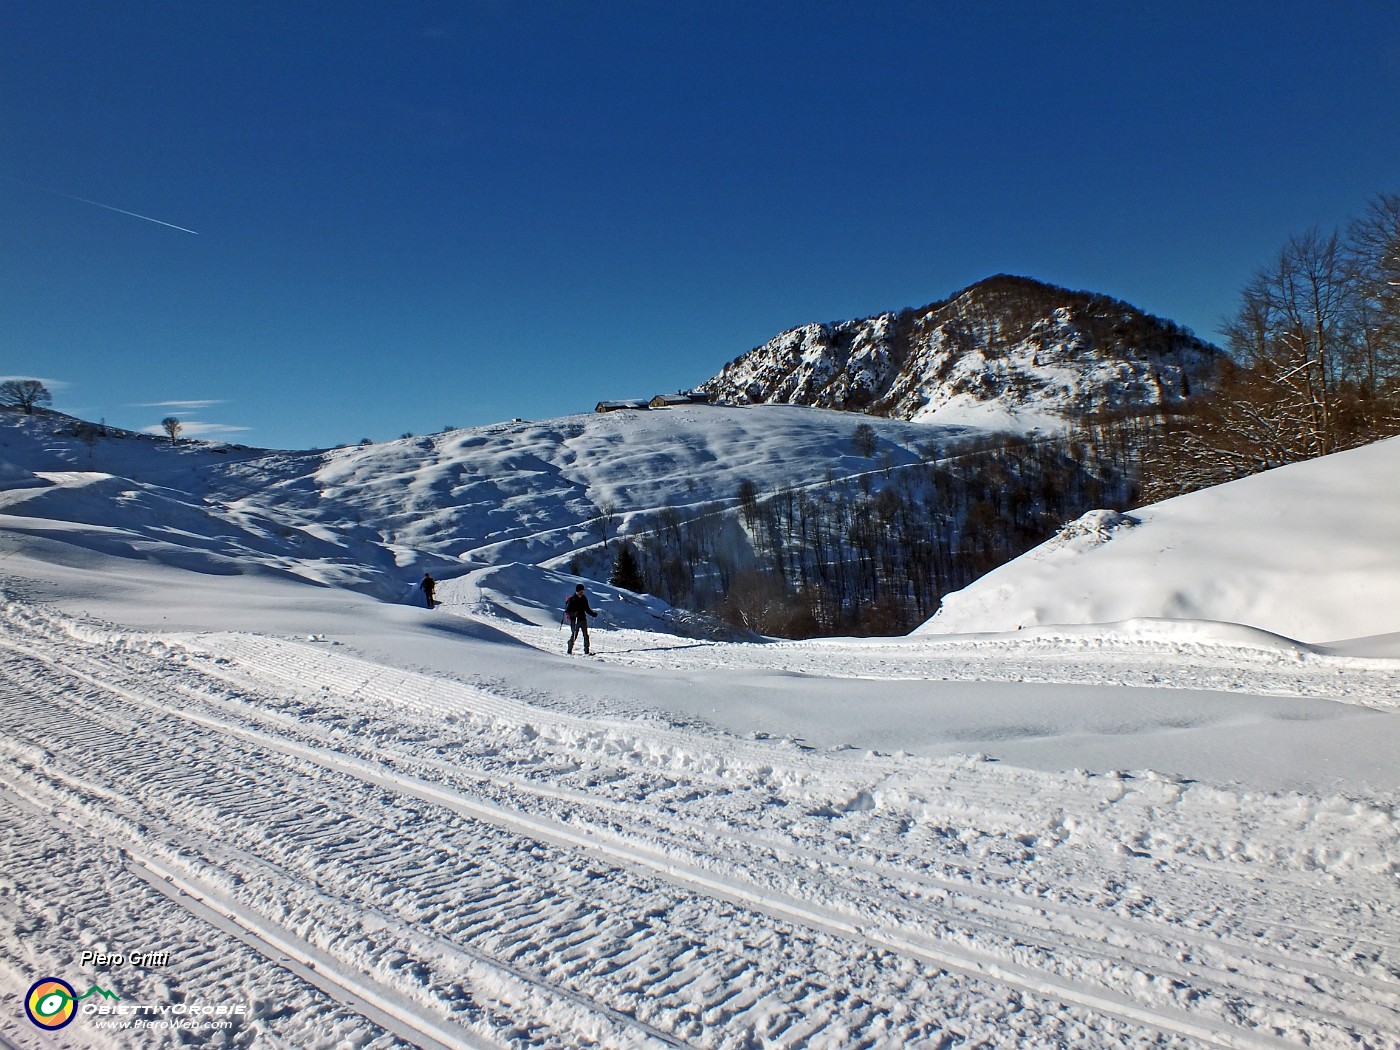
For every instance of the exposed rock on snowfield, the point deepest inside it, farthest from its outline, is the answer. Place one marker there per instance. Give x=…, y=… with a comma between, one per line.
x=1006, y=348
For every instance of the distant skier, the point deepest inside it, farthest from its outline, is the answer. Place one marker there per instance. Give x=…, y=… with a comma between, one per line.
x=576, y=611
x=429, y=586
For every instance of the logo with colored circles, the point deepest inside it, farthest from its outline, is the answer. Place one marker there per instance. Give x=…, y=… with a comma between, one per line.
x=51, y=1003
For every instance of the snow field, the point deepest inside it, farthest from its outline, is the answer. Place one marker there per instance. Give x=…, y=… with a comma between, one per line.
x=472, y=870
x=382, y=826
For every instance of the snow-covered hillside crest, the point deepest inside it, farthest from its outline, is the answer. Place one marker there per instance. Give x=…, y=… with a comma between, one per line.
x=374, y=518
x=1007, y=349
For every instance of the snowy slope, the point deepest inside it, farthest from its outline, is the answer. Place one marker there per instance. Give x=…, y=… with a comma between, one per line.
x=361, y=822
x=356, y=822
x=1310, y=551
x=376, y=517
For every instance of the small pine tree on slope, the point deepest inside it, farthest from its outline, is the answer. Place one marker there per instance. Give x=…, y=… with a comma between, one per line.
x=626, y=571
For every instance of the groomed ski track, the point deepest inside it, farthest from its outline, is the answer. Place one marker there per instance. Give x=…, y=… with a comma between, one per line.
x=374, y=857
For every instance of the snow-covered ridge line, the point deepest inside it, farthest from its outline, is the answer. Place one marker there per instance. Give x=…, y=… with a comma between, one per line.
x=373, y=518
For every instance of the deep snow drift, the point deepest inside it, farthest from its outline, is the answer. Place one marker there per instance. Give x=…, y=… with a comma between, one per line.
x=1310, y=551
x=357, y=822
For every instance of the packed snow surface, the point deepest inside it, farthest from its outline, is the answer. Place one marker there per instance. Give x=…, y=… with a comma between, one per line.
x=357, y=822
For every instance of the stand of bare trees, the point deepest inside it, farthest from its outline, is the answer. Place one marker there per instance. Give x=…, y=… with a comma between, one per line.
x=874, y=554
x=1316, y=361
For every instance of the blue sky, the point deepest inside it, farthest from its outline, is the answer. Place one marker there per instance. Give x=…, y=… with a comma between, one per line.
x=412, y=215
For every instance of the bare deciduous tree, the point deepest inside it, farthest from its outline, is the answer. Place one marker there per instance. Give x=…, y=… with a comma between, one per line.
x=25, y=394
x=606, y=519
x=1294, y=329
x=89, y=435
x=864, y=440
x=1316, y=343
x=171, y=426
x=1374, y=255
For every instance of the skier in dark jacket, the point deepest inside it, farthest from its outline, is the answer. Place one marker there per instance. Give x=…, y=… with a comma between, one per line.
x=576, y=611
x=429, y=586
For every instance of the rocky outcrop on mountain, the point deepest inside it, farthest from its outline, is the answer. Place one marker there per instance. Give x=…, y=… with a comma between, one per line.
x=1006, y=344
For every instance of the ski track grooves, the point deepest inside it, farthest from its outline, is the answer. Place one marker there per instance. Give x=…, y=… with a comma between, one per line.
x=465, y=870
x=313, y=967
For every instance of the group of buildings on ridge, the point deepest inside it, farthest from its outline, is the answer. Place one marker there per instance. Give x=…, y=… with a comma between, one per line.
x=681, y=397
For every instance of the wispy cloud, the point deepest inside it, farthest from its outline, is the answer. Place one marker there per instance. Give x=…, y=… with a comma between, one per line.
x=194, y=429
x=194, y=405
x=52, y=384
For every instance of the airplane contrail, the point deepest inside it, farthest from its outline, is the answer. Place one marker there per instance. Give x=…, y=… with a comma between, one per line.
x=133, y=214
x=99, y=204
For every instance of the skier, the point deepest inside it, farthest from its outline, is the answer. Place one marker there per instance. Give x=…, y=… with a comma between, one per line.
x=576, y=611
x=429, y=586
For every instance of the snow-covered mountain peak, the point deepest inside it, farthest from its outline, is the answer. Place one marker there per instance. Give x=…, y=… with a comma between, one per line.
x=1007, y=349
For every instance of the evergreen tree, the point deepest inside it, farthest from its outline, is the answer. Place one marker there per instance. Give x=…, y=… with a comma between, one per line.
x=627, y=572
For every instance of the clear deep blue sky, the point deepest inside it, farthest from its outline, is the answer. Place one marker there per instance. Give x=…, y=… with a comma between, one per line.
x=412, y=215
